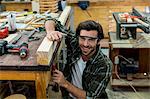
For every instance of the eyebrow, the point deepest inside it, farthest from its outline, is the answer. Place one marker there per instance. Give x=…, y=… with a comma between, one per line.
x=89, y=37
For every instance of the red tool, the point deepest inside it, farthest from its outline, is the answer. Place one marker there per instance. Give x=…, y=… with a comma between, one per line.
x=4, y=33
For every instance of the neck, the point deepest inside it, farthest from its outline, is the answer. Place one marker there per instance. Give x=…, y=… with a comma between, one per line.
x=87, y=57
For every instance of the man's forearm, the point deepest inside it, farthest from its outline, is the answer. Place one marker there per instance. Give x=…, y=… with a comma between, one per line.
x=49, y=26
x=76, y=92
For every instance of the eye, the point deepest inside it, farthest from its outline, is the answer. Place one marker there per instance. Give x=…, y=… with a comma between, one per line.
x=92, y=39
x=82, y=38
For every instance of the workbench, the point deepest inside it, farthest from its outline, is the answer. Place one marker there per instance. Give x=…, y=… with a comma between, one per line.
x=126, y=48
x=12, y=67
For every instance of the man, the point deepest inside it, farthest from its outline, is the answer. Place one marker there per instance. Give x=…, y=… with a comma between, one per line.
x=88, y=70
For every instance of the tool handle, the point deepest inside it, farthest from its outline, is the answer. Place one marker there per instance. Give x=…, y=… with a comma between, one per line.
x=55, y=87
x=54, y=66
x=141, y=22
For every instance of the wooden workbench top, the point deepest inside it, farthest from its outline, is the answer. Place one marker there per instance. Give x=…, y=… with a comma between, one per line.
x=13, y=60
x=141, y=41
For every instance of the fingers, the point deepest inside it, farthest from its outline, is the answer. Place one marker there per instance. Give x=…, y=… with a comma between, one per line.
x=58, y=77
x=54, y=35
x=58, y=74
x=57, y=71
x=52, y=83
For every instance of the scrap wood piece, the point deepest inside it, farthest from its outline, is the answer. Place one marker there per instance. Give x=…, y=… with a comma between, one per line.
x=37, y=25
x=41, y=23
x=28, y=18
x=37, y=20
x=5, y=19
x=21, y=26
x=33, y=19
x=45, y=50
x=10, y=37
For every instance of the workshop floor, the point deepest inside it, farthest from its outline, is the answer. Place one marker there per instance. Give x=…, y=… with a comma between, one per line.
x=118, y=94
x=127, y=93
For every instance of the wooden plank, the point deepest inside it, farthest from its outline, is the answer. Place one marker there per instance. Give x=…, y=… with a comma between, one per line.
x=51, y=10
x=10, y=37
x=51, y=6
x=47, y=0
x=47, y=8
x=45, y=50
x=50, y=3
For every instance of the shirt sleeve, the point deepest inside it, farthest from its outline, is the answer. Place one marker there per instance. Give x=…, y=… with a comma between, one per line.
x=61, y=28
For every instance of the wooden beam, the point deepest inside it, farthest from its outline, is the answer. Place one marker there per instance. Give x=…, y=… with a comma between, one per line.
x=45, y=50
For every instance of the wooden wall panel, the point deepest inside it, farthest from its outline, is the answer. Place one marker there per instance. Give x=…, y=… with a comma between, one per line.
x=18, y=6
x=102, y=10
x=94, y=13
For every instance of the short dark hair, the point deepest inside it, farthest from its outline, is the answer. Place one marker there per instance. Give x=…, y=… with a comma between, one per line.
x=90, y=25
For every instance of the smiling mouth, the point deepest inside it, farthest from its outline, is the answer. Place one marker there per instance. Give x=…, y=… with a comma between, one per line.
x=85, y=48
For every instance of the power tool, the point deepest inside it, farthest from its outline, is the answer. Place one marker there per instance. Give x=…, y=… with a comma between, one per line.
x=5, y=48
x=127, y=24
x=4, y=33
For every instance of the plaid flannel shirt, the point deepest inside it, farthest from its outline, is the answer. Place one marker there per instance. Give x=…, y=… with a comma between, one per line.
x=97, y=72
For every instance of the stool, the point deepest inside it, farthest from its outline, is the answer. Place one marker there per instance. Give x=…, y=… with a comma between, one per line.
x=16, y=96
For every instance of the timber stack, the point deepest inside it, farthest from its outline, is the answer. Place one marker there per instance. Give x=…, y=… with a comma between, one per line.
x=48, y=5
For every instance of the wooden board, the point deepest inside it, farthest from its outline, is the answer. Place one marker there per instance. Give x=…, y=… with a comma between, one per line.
x=51, y=5
x=45, y=50
x=10, y=37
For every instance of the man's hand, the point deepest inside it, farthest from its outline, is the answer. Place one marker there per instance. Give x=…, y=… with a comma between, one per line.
x=54, y=35
x=59, y=78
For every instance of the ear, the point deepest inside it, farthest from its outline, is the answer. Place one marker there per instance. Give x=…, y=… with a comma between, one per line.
x=98, y=42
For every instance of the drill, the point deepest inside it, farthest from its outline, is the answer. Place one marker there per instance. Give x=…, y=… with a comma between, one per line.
x=5, y=48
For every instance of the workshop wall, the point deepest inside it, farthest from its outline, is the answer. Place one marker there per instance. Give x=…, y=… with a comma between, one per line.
x=17, y=6
x=101, y=11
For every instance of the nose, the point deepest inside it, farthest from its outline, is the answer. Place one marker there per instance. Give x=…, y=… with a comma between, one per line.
x=85, y=43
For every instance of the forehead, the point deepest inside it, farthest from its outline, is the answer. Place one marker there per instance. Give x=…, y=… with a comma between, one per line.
x=91, y=33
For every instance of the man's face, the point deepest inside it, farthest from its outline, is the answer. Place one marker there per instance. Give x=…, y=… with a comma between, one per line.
x=88, y=41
